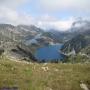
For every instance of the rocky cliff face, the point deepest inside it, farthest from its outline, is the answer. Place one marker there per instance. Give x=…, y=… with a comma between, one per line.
x=76, y=43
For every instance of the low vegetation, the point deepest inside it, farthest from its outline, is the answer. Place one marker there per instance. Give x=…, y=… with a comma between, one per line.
x=51, y=76
x=77, y=59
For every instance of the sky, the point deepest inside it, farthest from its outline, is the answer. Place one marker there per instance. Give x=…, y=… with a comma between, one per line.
x=46, y=14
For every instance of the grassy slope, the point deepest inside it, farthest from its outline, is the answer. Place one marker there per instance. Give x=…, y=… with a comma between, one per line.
x=33, y=77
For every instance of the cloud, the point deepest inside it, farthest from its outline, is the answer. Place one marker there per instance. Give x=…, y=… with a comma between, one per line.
x=10, y=14
x=12, y=3
x=59, y=5
x=47, y=22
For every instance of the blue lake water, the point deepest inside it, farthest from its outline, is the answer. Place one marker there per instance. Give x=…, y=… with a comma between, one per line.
x=49, y=53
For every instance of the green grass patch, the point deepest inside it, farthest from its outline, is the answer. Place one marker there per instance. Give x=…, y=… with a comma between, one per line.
x=32, y=77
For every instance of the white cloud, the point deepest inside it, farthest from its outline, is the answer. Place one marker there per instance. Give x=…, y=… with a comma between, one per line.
x=11, y=15
x=8, y=15
x=52, y=23
x=58, y=5
x=12, y=3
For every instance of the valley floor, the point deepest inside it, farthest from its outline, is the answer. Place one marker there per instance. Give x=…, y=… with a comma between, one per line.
x=36, y=76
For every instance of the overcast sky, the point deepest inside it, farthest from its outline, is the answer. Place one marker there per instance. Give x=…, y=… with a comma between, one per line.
x=57, y=14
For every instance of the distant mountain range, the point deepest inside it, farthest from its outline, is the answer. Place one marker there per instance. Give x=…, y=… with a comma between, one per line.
x=30, y=37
